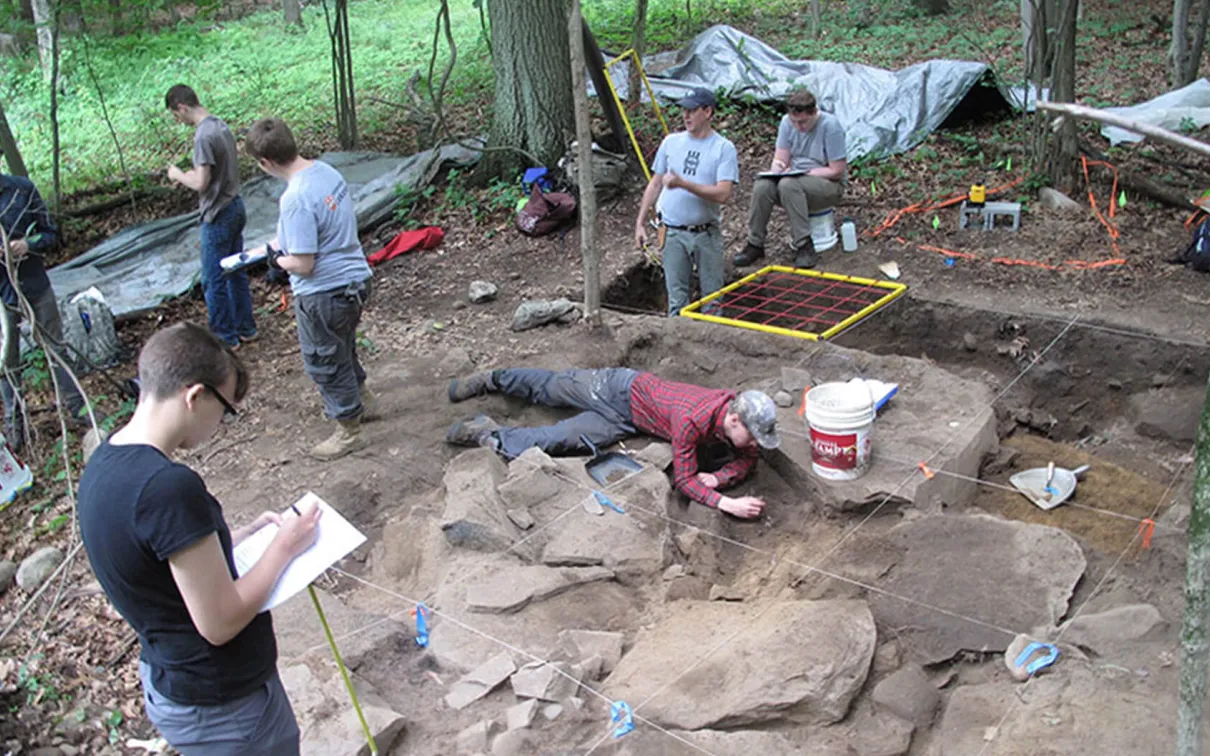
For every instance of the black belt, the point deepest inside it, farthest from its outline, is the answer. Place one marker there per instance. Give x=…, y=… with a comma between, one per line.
x=691, y=229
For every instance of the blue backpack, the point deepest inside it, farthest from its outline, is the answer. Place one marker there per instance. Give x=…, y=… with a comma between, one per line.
x=1197, y=254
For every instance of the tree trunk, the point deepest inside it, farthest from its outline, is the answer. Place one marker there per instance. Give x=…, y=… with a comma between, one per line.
x=1057, y=153
x=933, y=7
x=1037, y=47
x=589, y=252
x=115, y=17
x=8, y=146
x=1199, y=44
x=1197, y=602
x=1178, y=51
x=342, y=73
x=42, y=18
x=816, y=20
x=638, y=43
x=533, y=109
x=293, y=12
x=56, y=145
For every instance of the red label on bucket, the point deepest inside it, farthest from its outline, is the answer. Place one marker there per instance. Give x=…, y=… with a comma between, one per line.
x=835, y=451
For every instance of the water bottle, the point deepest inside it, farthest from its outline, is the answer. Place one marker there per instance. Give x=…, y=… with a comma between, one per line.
x=848, y=235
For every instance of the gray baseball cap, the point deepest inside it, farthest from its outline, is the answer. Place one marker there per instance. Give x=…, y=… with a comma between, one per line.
x=699, y=98
x=759, y=415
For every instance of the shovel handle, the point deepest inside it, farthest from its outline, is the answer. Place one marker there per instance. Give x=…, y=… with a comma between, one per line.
x=1081, y=470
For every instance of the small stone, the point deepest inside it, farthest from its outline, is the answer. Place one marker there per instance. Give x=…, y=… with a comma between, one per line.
x=548, y=682
x=459, y=305
x=1159, y=380
x=674, y=571
x=783, y=398
x=522, y=715
x=909, y=695
x=1053, y=199
x=585, y=644
x=887, y=657
x=8, y=573
x=69, y=750
x=482, y=291
x=552, y=712
x=474, y=739
x=725, y=593
x=512, y=743
x=539, y=312
x=92, y=440
x=1010, y=657
x=521, y=518
x=1114, y=384
x=969, y=342
x=481, y=681
x=37, y=567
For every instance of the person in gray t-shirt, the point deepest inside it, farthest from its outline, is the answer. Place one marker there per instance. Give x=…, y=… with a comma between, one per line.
x=215, y=177
x=693, y=175
x=811, y=148
x=317, y=245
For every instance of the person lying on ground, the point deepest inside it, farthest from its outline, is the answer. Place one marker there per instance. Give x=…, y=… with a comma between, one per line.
x=162, y=552
x=617, y=403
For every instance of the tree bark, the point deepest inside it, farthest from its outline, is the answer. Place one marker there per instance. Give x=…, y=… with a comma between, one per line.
x=589, y=252
x=1038, y=50
x=292, y=11
x=42, y=19
x=8, y=146
x=1057, y=153
x=533, y=103
x=816, y=20
x=1199, y=44
x=1178, y=50
x=56, y=145
x=638, y=43
x=342, y=73
x=1194, y=648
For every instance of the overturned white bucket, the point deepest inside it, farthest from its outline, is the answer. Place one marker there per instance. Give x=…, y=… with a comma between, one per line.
x=840, y=419
x=823, y=229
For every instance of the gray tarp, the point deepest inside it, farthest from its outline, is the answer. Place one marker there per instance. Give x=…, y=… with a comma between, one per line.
x=883, y=112
x=144, y=265
x=1171, y=110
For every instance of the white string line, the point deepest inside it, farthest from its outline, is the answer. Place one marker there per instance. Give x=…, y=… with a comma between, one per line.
x=1019, y=697
x=519, y=651
x=1037, y=358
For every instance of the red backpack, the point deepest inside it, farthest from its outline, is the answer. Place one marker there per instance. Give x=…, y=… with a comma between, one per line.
x=544, y=213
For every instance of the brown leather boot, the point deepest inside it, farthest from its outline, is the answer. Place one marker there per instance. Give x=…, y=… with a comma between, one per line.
x=346, y=438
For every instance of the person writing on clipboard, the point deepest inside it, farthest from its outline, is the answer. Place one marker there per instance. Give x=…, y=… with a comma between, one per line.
x=807, y=175
x=162, y=551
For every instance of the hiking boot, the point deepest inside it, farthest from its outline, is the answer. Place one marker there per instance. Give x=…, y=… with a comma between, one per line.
x=468, y=387
x=370, y=410
x=346, y=438
x=475, y=432
x=748, y=255
x=804, y=255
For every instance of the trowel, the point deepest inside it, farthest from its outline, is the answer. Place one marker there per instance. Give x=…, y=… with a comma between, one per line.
x=1048, y=487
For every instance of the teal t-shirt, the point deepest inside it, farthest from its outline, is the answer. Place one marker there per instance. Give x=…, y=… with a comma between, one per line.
x=317, y=218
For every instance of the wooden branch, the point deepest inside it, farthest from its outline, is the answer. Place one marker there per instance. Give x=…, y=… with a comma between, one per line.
x=1101, y=116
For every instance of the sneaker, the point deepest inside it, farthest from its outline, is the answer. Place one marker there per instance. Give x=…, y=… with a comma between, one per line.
x=471, y=386
x=248, y=339
x=805, y=256
x=475, y=432
x=749, y=255
x=346, y=438
x=370, y=409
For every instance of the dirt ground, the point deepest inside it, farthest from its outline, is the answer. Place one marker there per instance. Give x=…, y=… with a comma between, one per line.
x=1137, y=327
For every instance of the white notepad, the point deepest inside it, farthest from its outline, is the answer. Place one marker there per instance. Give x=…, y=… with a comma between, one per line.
x=336, y=537
x=777, y=175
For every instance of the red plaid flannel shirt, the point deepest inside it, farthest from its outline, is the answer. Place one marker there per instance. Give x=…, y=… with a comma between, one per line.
x=688, y=416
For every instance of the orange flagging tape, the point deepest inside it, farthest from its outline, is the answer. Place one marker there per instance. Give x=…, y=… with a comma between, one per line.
x=928, y=474
x=1092, y=200
x=1147, y=529
x=802, y=411
x=285, y=302
x=1192, y=217
x=925, y=206
x=948, y=252
x=1076, y=264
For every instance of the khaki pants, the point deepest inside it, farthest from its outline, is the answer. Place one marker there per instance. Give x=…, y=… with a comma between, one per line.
x=799, y=195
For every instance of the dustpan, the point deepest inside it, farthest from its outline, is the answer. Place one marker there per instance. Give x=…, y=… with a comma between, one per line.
x=609, y=467
x=1048, y=487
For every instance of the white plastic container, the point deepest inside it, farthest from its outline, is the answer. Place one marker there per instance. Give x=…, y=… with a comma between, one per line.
x=15, y=476
x=840, y=419
x=848, y=235
x=823, y=229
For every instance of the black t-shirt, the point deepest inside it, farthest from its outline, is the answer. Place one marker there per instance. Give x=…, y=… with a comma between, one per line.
x=137, y=508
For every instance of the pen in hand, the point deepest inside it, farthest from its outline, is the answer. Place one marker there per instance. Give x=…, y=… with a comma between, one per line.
x=294, y=507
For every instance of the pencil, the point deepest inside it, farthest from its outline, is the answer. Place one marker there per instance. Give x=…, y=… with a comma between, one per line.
x=295, y=508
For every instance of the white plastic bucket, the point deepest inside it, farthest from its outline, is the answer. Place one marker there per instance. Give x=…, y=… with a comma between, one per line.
x=840, y=418
x=823, y=229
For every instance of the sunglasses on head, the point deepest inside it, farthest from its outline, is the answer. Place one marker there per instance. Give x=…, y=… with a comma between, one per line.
x=229, y=409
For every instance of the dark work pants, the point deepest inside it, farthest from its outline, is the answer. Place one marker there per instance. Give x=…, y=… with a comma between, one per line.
x=327, y=336
x=602, y=395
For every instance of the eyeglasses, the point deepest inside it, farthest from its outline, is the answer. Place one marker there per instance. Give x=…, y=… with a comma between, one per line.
x=229, y=409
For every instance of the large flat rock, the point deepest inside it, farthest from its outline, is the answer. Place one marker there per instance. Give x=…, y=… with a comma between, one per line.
x=326, y=717
x=1001, y=574
x=475, y=517
x=802, y=661
x=935, y=412
x=512, y=588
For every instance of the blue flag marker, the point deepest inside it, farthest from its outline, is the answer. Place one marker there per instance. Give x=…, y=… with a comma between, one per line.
x=620, y=713
x=422, y=626
x=1051, y=653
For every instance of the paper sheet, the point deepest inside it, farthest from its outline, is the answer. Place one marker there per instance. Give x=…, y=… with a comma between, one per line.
x=336, y=537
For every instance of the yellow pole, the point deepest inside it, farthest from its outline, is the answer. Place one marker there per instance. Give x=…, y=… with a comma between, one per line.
x=365, y=728
x=613, y=91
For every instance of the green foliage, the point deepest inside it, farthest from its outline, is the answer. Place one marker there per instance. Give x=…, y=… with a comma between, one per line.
x=36, y=375
x=112, y=720
x=37, y=687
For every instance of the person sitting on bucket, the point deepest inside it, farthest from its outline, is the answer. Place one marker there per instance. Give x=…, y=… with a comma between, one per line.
x=617, y=403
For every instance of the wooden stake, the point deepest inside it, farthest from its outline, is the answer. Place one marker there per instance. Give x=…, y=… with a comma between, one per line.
x=588, y=192
x=1155, y=132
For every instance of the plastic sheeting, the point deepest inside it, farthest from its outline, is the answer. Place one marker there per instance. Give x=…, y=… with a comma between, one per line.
x=1190, y=104
x=883, y=112
x=142, y=266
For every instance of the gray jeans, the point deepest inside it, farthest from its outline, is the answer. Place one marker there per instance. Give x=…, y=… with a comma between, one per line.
x=327, y=336
x=799, y=195
x=684, y=249
x=603, y=395
x=261, y=722
x=46, y=312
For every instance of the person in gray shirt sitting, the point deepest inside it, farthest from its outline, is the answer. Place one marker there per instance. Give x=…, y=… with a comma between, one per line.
x=317, y=245
x=811, y=149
